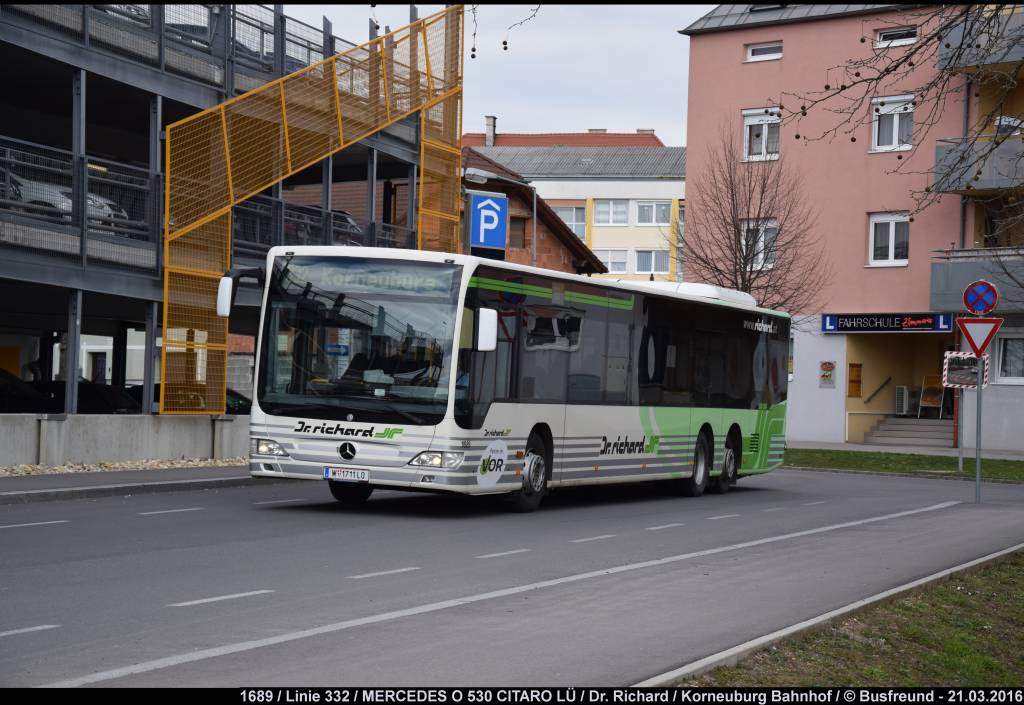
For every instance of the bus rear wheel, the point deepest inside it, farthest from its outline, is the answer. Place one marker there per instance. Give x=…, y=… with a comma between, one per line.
x=535, y=476
x=350, y=494
x=727, y=478
x=694, y=485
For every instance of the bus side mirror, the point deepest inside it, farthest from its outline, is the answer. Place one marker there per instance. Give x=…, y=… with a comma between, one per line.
x=224, y=297
x=228, y=287
x=486, y=329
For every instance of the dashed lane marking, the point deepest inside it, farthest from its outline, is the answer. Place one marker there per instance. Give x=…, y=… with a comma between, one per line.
x=220, y=598
x=383, y=572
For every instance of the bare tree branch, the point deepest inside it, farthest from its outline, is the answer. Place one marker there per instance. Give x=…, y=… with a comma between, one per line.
x=961, y=53
x=751, y=228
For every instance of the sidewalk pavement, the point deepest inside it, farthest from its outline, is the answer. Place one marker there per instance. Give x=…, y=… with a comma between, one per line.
x=912, y=450
x=34, y=488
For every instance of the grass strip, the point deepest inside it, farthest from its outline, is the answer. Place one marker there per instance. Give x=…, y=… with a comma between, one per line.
x=967, y=630
x=902, y=463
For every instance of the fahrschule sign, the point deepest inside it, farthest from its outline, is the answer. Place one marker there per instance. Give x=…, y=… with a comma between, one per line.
x=886, y=322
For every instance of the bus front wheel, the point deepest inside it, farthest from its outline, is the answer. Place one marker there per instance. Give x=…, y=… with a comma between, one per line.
x=535, y=476
x=350, y=494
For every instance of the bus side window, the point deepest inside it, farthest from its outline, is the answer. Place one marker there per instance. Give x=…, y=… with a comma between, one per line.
x=586, y=362
x=617, y=360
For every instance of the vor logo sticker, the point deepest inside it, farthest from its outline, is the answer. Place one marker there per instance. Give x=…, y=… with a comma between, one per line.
x=492, y=464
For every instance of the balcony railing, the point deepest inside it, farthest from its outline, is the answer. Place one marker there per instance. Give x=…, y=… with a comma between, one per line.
x=986, y=39
x=95, y=211
x=85, y=210
x=953, y=269
x=986, y=163
x=193, y=41
x=979, y=254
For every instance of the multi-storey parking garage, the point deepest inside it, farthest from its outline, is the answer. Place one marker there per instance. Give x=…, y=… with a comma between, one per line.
x=82, y=200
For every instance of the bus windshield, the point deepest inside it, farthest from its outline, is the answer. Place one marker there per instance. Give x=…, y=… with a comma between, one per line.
x=358, y=339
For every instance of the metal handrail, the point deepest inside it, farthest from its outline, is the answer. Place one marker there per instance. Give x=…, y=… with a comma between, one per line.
x=880, y=388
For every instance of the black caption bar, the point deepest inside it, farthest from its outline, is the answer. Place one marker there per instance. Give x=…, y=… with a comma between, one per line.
x=612, y=696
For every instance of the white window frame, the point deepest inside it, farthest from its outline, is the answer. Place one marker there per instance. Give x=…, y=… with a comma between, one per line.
x=897, y=217
x=654, y=260
x=893, y=106
x=611, y=212
x=757, y=116
x=881, y=43
x=606, y=258
x=751, y=58
x=583, y=222
x=759, y=262
x=997, y=358
x=654, y=212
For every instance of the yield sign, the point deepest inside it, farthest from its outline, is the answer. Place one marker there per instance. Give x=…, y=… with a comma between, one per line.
x=979, y=332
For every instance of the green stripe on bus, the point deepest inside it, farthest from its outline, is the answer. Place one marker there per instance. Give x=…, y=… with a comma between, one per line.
x=607, y=301
x=508, y=287
x=530, y=290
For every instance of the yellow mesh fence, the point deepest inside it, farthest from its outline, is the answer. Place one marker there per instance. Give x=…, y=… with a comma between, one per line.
x=226, y=154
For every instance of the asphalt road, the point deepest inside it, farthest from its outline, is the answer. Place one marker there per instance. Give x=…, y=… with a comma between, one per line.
x=278, y=585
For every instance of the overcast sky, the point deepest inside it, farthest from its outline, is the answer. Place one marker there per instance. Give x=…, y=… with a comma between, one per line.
x=571, y=68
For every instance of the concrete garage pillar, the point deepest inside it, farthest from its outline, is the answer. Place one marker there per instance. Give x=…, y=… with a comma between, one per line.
x=119, y=364
x=227, y=443
x=52, y=437
x=371, y=197
x=72, y=350
x=149, y=358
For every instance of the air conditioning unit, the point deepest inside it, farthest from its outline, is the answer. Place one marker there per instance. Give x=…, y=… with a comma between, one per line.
x=902, y=400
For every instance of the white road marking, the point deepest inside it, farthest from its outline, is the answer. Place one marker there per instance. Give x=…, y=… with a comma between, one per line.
x=26, y=630
x=811, y=504
x=243, y=646
x=773, y=509
x=170, y=511
x=593, y=538
x=280, y=501
x=663, y=526
x=723, y=516
x=35, y=523
x=220, y=598
x=504, y=553
x=383, y=572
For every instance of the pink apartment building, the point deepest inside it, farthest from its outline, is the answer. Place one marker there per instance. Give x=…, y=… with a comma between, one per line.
x=876, y=340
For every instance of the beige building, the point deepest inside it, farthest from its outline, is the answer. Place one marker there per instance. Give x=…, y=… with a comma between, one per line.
x=625, y=202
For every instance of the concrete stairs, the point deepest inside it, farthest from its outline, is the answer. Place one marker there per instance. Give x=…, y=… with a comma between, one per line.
x=911, y=431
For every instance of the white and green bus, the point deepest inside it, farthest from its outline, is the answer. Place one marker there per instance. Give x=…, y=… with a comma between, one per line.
x=400, y=369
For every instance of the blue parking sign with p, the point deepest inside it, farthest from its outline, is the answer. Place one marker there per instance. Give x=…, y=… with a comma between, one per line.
x=488, y=220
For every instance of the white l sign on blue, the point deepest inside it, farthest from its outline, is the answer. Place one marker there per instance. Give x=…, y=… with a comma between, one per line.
x=488, y=220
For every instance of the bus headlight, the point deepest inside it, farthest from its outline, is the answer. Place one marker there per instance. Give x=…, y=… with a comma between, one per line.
x=434, y=459
x=265, y=446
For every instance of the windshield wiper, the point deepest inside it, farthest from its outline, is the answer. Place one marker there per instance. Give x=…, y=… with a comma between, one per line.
x=305, y=407
x=338, y=409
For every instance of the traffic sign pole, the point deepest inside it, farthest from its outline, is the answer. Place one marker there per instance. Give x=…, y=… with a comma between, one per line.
x=980, y=298
x=977, y=437
x=960, y=433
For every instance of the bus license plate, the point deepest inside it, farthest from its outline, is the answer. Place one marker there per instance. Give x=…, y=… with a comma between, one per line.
x=346, y=474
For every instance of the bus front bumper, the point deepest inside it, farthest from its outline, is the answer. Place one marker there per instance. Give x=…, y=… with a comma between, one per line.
x=460, y=480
